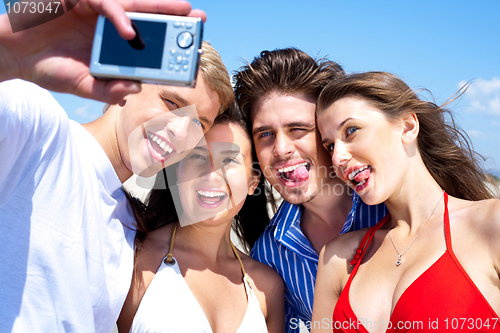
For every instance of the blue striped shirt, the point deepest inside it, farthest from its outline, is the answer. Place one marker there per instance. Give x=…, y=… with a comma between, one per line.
x=285, y=248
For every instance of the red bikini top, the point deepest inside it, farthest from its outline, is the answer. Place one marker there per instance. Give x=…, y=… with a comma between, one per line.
x=442, y=299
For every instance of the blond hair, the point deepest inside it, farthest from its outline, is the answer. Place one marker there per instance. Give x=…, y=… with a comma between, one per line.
x=215, y=74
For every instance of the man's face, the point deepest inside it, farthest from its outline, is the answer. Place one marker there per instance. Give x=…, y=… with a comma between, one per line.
x=289, y=147
x=160, y=125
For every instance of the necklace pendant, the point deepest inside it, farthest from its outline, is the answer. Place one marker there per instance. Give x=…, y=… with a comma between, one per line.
x=398, y=262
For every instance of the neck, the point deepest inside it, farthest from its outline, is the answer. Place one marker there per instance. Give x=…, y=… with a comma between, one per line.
x=323, y=217
x=330, y=207
x=414, y=201
x=104, y=131
x=211, y=242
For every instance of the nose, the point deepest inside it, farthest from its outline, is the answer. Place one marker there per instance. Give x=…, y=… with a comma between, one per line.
x=178, y=127
x=341, y=155
x=283, y=145
x=212, y=173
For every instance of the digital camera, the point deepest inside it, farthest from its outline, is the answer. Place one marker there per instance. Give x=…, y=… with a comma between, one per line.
x=166, y=50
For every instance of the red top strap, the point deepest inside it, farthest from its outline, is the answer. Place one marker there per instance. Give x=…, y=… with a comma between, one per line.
x=367, y=239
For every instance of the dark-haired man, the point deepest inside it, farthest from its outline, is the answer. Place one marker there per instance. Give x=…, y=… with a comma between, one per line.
x=278, y=92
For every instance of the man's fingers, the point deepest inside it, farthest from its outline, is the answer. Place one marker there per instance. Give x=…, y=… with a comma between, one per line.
x=171, y=7
x=115, y=11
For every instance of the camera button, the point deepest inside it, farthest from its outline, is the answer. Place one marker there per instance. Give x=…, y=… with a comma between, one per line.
x=184, y=61
x=177, y=68
x=189, y=25
x=172, y=52
x=178, y=59
x=185, y=68
x=185, y=39
x=170, y=66
x=177, y=24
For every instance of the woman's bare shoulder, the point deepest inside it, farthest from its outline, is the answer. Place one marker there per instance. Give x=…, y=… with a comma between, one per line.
x=483, y=215
x=264, y=277
x=269, y=289
x=343, y=247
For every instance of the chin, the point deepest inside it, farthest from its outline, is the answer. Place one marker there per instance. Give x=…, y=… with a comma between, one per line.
x=146, y=170
x=207, y=218
x=299, y=198
x=370, y=199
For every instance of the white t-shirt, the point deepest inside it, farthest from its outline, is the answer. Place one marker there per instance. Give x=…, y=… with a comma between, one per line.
x=66, y=259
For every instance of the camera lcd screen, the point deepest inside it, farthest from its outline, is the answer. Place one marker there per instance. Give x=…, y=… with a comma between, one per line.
x=117, y=51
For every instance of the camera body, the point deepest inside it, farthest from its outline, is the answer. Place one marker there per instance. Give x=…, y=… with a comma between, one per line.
x=166, y=50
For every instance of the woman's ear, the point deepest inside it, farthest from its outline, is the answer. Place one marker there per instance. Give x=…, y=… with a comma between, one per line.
x=410, y=128
x=254, y=182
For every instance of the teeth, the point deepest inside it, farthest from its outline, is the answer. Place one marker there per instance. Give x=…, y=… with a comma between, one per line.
x=162, y=144
x=291, y=168
x=355, y=172
x=211, y=194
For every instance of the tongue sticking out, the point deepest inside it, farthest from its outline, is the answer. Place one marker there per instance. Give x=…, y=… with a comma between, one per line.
x=362, y=175
x=297, y=175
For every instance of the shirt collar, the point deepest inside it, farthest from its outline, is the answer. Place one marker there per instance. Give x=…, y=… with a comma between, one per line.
x=352, y=214
x=290, y=235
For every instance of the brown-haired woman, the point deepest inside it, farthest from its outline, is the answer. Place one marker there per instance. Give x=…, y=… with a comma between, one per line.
x=432, y=264
x=189, y=277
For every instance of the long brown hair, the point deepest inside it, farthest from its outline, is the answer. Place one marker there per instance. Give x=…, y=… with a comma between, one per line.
x=445, y=149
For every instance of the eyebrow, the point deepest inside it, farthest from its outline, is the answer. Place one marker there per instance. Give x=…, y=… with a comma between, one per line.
x=338, y=128
x=261, y=129
x=201, y=148
x=176, y=96
x=183, y=102
x=230, y=152
x=344, y=122
x=288, y=125
x=301, y=124
x=208, y=122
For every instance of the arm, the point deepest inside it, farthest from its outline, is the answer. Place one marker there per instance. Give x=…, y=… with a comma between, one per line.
x=275, y=304
x=56, y=54
x=30, y=119
x=327, y=289
x=270, y=291
x=491, y=223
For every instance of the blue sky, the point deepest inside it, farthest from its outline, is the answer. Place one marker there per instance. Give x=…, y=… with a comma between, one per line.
x=438, y=45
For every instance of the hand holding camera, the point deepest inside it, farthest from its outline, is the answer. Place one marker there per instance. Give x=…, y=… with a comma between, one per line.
x=165, y=50
x=56, y=54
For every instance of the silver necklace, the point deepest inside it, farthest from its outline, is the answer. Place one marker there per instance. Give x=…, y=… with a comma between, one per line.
x=400, y=254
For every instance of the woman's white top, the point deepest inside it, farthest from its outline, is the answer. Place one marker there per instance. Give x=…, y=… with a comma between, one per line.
x=169, y=306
